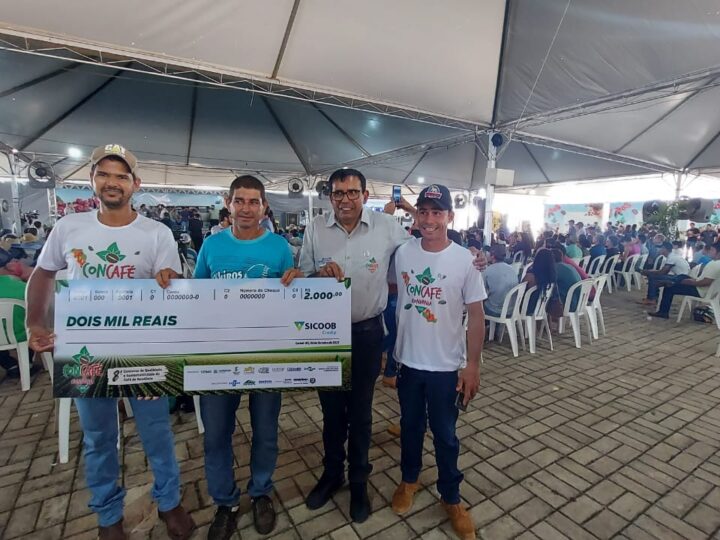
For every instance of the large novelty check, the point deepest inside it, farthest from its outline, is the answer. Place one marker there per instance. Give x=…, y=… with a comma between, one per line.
x=131, y=338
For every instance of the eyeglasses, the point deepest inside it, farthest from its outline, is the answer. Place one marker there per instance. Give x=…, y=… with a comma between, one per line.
x=352, y=195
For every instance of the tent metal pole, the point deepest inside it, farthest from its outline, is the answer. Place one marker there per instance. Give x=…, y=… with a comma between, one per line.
x=619, y=99
x=702, y=151
x=489, y=194
x=286, y=37
x=286, y=134
x=658, y=120
x=678, y=185
x=37, y=135
x=15, y=193
x=537, y=163
x=310, y=201
x=342, y=131
x=38, y=80
x=193, y=113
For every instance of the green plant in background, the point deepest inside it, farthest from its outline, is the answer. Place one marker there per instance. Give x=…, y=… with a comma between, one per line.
x=666, y=220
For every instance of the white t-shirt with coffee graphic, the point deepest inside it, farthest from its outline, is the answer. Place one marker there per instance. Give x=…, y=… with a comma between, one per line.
x=433, y=289
x=91, y=250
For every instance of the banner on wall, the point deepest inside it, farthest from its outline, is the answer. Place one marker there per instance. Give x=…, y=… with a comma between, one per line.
x=626, y=213
x=715, y=219
x=150, y=198
x=558, y=215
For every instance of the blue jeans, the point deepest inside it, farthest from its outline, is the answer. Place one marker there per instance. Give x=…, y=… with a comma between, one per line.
x=423, y=395
x=98, y=418
x=218, y=415
x=676, y=290
x=389, y=342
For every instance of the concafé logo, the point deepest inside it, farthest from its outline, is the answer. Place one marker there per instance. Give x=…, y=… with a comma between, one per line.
x=83, y=370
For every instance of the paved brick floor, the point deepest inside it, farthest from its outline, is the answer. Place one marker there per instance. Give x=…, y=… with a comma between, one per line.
x=619, y=439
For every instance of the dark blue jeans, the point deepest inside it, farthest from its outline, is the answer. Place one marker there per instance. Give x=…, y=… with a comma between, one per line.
x=218, y=415
x=430, y=395
x=670, y=292
x=655, y=280
x=389, y=343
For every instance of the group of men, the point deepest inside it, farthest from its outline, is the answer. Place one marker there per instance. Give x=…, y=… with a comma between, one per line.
x=438, y=284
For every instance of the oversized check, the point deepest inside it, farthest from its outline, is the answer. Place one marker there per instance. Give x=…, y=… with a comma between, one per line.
x=130, y=337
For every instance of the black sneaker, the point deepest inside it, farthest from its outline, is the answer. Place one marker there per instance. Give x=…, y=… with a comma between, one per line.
x=359, y=502
x=223, y=524
x=323, y=490
x=264, y=517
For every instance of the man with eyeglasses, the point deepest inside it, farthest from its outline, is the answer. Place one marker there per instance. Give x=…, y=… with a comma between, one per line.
x=354, y=242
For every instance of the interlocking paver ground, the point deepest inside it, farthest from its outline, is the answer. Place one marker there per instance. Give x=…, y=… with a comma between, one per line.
x=618, y=439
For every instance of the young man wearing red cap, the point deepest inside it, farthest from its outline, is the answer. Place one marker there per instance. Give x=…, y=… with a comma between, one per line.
x=438, y=373
x=114, y=242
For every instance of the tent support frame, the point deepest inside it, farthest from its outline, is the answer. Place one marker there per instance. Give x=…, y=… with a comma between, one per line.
x=52, y=47
x=37, y=135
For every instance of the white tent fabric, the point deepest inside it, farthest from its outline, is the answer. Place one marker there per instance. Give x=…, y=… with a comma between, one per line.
x=406, y=91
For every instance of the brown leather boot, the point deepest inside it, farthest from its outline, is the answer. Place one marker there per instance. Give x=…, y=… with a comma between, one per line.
x=178, y=522
x=402, y=500
x=461, y=521
x=113, y=532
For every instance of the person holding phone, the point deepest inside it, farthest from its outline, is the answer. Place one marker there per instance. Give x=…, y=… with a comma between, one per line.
x=439, y=373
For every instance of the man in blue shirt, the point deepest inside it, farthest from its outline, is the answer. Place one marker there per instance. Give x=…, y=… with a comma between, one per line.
x=245, y=250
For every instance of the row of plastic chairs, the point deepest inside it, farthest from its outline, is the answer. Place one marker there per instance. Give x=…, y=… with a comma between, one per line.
x=517, y=319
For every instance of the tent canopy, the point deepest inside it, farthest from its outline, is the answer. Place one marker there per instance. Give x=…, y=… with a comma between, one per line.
x=405, y=91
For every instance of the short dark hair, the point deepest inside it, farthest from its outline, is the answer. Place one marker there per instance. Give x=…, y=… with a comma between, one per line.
x=498, y=251
x=341, y=175
x=248, y=182
x=224, y=213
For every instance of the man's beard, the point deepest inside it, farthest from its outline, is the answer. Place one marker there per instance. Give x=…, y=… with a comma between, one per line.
x=114, y=203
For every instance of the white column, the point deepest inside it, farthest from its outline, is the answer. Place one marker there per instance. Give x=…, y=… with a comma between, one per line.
x=310, y=200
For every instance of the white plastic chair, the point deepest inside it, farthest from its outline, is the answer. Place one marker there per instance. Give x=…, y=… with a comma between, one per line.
x=582, y=263
x=595, y=266
x=595, y=312
x=519, y=257
x=539, y=314
x=188, y=267
x=628, y=271
x=637, y=276
x=8, y=340
x=581, y=310
x=696, y=271
x=510, y=318
x=609, y=269
x=525, y=270
x=711, y=298
x=659, y=262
